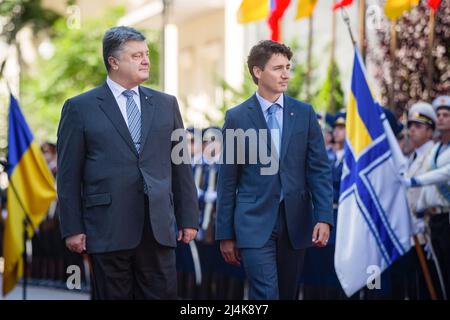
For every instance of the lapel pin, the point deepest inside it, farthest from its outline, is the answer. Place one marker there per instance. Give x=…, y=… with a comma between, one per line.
x=292, y=113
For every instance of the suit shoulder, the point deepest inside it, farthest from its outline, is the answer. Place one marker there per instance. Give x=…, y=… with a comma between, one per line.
x=299, y=104
x=85, y=96
x=157, y=93
x=238, y=109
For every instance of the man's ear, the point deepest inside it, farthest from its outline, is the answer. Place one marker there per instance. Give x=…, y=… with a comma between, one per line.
x=113, y=62
x=257, y=72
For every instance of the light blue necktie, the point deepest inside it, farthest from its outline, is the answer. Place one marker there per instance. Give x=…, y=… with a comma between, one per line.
x=134, y=119
x=272, y=124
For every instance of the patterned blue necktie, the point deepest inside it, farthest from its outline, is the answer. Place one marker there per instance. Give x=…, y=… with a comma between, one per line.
x=134, y=119
x=272, y=124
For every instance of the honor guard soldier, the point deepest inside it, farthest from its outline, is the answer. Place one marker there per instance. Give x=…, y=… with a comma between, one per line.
x=188, y=260
x=434, y=197
x=409, y=278
x=219, y=279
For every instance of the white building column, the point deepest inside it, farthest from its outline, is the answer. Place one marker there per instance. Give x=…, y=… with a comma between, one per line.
x=234, y=45
x=171, y=59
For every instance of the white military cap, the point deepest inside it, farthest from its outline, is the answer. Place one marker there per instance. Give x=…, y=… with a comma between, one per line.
x=422, y=112
x=441, y=102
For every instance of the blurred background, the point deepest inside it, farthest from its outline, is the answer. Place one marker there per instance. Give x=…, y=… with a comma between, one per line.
x=198, y=51
x=50, y=50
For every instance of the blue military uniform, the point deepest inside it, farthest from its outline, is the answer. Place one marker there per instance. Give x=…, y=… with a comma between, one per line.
x=187, y=261
x=219, y=279
x=203, y=273
x=326, y=123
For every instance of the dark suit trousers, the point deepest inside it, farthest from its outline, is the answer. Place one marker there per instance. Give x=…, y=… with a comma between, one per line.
x=274, y=270
x=145, y=272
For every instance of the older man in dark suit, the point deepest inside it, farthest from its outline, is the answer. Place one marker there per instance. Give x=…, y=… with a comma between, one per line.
x=121, y=197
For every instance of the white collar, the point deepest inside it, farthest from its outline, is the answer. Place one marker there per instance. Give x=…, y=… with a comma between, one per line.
x=424, y=148
x=117, y=89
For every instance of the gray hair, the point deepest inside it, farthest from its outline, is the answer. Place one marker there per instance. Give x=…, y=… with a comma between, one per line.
x=114, y=40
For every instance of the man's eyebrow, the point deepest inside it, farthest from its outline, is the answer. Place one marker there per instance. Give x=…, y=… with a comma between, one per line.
x=281, y=65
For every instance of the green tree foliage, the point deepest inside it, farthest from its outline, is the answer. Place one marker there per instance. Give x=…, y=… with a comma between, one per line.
x=18, y=13
x=322, y=99
x=234, y=96
x=14, y=15
x=76, y=66
x=297, y=83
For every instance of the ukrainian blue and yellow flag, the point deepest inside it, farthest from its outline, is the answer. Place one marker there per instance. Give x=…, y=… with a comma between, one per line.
x=373, y=225
x=30, y=192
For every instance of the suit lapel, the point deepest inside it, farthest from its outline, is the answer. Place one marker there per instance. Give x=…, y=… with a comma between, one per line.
x=147, y=111
x=289, y=116
x=109, y=106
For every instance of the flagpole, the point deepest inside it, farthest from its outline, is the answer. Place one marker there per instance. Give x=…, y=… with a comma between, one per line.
x=26, y=223
x=426, y=271
x=332, y=106
x=362, y=29
x=346, y=18
x=309, y=58
x=392, y=50
x=165, y=19
x=1, y=69
x=431, y=24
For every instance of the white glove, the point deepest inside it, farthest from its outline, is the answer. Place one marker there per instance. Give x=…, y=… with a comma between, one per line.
x=427, y=249
x=405, y=181
x=210, y=196
x=409, y=182
x=419, y=226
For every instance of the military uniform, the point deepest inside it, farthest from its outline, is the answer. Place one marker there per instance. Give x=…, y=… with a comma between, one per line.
x=203, y=273
x=434, y=197
x=408, y=280
x=423, y=113
x=326, y=123
x=219, y=279
x=187, y=256
x=436, y=181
